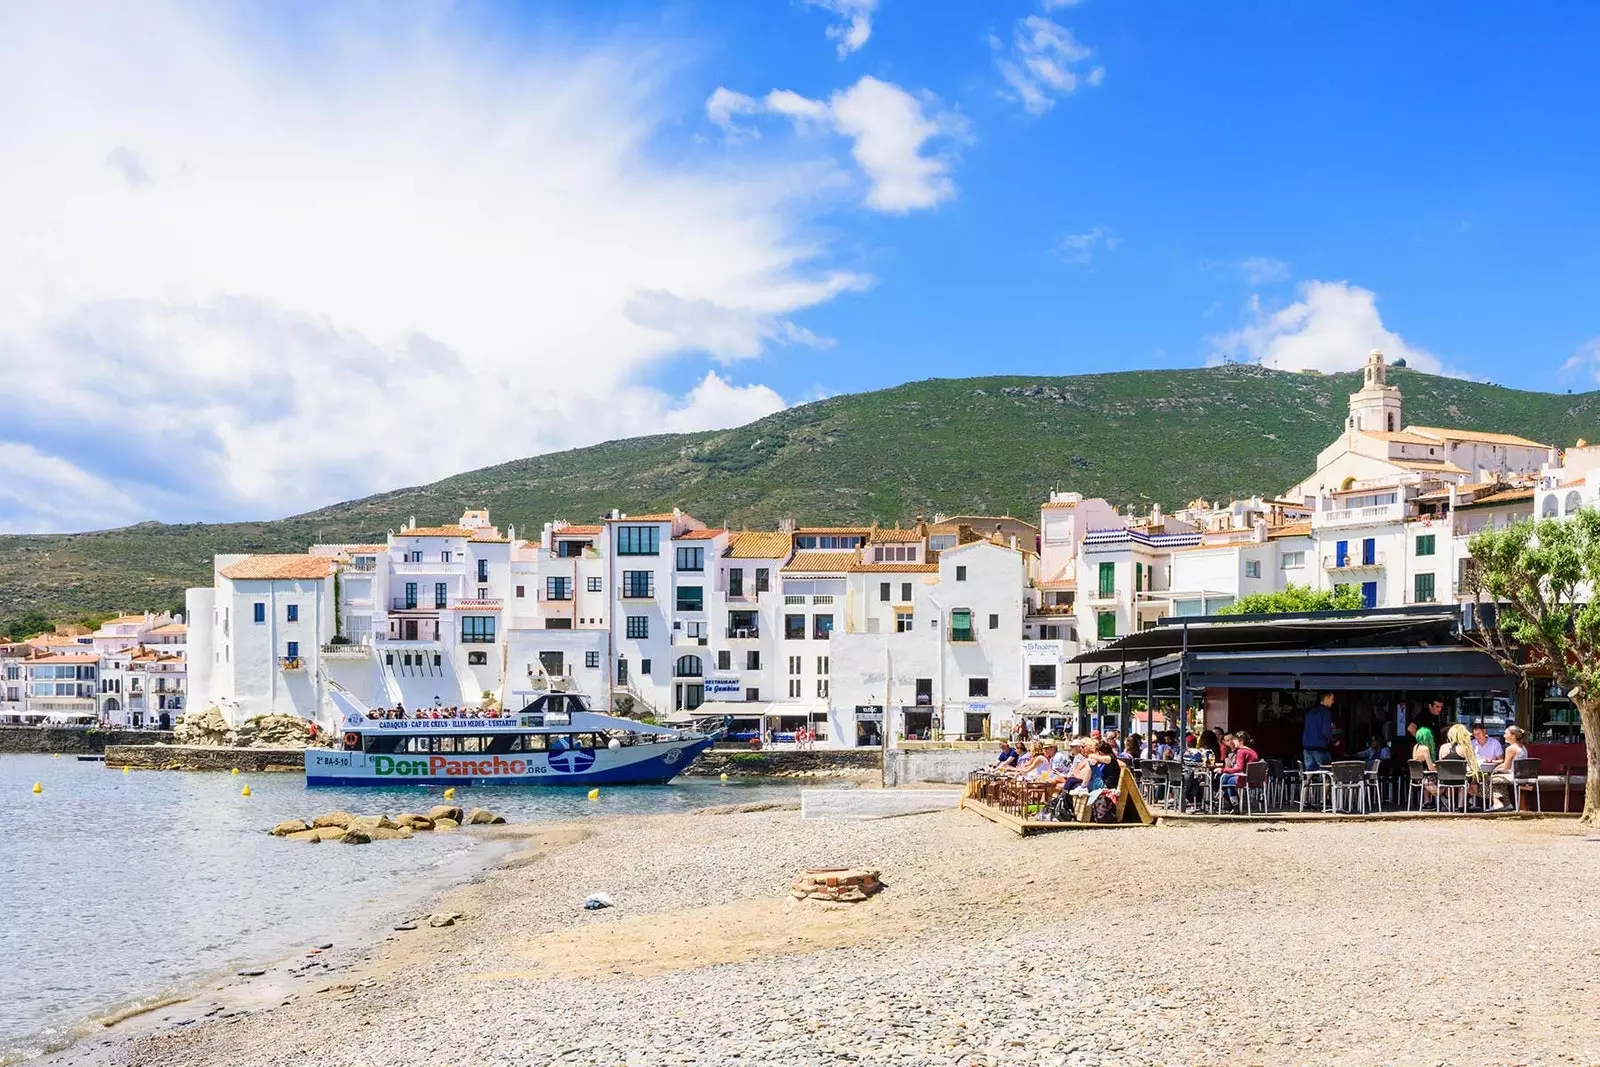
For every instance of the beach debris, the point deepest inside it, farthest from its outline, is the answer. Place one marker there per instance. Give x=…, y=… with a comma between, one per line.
x=445, y=918
x=325, y=945
x=483, y=817
x=253, y=973
x=340, y=819
x=355, y=836
x=596, y=901
x=844, y=885
x=449, y=794
x=445, y=811
x=407, y=925
x=38, y=787
x=245, y=791
x=289, y=826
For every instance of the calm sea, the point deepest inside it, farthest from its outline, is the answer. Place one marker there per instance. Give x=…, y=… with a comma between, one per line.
x=118, y=886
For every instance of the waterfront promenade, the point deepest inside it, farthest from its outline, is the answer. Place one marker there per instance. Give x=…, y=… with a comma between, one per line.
x=1439, y=942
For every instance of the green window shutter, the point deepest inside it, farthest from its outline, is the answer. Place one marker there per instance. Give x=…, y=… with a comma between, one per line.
x=1108, y=580
x=1106, y=624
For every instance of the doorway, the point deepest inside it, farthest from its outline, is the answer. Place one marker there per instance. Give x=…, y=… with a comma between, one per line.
x=411, y=629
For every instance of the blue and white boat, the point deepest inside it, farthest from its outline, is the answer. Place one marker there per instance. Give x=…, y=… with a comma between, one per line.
x=555, y=740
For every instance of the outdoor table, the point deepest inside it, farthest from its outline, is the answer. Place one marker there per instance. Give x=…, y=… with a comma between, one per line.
x=1207, y=773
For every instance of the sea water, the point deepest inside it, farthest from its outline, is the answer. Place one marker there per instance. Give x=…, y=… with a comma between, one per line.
x=115, y=887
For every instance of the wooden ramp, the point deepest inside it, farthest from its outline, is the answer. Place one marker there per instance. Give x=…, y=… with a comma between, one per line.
x=1131, y=811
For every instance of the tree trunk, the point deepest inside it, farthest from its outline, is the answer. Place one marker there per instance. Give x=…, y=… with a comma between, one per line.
x=1589, y=716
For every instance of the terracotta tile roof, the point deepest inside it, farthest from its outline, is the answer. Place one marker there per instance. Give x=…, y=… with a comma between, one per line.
x=886, y=535
x=982, y=523
x=53, y=641
x=1403, y=438
x=579, y=531
x=68, y=657
x=759, y=544
x=171, y=628
x=1289, y=529
x=665, y=516
x=816, y=562
x=1446, y=434
x=121, y=620
x=896, y=568
x=279, y=567
x=700, y=535
x=1507, y=496
x=480, y=538
x=833, y=530
x=363, y=550
x=434, y=531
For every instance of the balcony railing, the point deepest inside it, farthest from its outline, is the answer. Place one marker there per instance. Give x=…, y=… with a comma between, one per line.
x=1351, y=562
x=365, y=563
x=739, y=633
x=291, y=663
x=1351, y=516
x=351, y=649
x=401, y=603
x=476, y=603
x=1051, y=609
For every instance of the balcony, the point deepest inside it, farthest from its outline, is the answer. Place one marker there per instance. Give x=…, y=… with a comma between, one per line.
x=476, y=603
x=291, y=663
x=400, y=603
x=362, y=564
x=1051, y=609
x=348, y=650
x=745, y=633
x=1104, y=595
x=1357, y=516
x=1351, y=562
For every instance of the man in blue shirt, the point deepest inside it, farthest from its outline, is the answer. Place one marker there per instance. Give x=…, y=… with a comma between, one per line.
x=1316, y=741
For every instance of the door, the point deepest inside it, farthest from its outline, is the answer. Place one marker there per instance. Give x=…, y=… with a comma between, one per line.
x=1369, y=594
x=554, y=663
x=1341, y=553
x=411, y=629
x=1369, y=552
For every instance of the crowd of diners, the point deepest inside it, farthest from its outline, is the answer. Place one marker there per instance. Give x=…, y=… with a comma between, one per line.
x=451, y=712
x=1093, y=761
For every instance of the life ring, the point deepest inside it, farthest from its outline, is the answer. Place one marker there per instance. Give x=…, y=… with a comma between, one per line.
x=352, y=741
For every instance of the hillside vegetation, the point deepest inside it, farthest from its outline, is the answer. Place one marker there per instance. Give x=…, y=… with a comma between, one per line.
x=984, y=445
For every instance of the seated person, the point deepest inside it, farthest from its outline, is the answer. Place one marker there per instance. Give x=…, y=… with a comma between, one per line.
x=1029, y=764
x=1240, y=756
x=1422, y=752
x=1165, y=749
x=1488, y=748
x=1376, y=752
x=1516, y=748
x=1134, y=749
x=1458, y=745
x=1007, y=756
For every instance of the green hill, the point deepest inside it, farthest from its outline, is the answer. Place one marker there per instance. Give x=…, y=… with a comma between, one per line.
x=985, y=445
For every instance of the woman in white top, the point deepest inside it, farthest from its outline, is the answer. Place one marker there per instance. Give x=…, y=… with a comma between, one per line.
x=1516, y=748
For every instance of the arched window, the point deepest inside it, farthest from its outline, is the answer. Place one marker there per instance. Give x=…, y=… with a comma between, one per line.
x=112, y=705
x=477, y=659
x=688, y=667
x=1574, y=502
x=1550, y=509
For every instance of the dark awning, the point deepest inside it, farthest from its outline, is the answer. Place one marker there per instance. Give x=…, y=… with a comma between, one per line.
x=1264, y=633
x=1450, y=670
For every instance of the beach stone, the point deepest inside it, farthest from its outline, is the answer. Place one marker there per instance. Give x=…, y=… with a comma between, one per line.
x=413, y=821
x=289, y=826
x=445, y=824
x=445, y=918
x=385, y=833
x=844, y=885
x=373, y=822
x=341, y=819
x=483, y=817
x=312, y=836
x=445, y=811
x=355, y=836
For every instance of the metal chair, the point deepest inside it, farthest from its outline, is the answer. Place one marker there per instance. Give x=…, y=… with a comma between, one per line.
x=1172, y=784
x=1349, y=785
x=1416, y=782
x=1255, y=781
x=1322, y=781
x=1524, y=775
x=1452, y=779
x=1277, y=783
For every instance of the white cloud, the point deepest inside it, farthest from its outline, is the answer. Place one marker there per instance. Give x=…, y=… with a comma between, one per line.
x=888, y=128
x=1331, y=327
x=1261, y=270
x=239, y=283
x=1585, y=361
x=1041, y=63
x=855, y=24
x=1080, y=248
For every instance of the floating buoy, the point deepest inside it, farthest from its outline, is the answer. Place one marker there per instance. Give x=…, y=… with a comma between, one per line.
x=245, y=791
x=56, y=756
x=724, y=776
x=449, y=794
x=124, y=770
x=594, y=794
x=37, y=788
x=236, y=770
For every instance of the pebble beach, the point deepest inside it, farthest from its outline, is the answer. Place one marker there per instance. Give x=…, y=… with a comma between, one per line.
x=1434, y=942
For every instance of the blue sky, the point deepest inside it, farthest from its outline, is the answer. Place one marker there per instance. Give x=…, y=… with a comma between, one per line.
x=266, y=257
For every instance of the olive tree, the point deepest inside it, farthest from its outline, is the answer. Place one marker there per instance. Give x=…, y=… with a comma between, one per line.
x=1542, y=576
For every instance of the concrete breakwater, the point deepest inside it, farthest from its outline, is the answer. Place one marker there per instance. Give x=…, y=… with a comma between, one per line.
x=854, y=764
x=205, y=758
x=75, y=740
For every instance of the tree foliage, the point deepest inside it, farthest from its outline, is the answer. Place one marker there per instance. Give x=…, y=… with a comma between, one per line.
x=1295, y=599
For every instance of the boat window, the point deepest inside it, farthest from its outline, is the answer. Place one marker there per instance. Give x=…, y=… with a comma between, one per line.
x=589, y=740
x=472, y=744
x=444, y=744
x=533, y=742
x=380, y=743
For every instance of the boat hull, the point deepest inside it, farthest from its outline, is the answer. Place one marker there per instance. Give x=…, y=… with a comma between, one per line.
x=644, y=764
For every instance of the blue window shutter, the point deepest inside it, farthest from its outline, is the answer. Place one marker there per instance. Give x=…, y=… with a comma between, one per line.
x=1369, y=551
x=1369, y=594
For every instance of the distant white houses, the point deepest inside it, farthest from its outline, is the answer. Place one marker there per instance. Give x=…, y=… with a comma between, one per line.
x=131, y=672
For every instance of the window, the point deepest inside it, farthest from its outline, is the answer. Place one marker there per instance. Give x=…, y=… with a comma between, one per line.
x=638, y=540
x=794, y=664
x=519, y=592
x=822, y=688
x=1574, y=502
x=1105, y=625
x=1252, y=568
x=444, y=557
x=638, y=627
x=961, y=625
x=905, y=592
x=414, y=557
x=483, y=570
x=1423, y=588
x=752, y=694
x=794, y=627
x=691, y=559
x=441, y=596
x=883, y=592
x=763, y=579
x=794, y=688
x=292, y=650
x=1293, y=559
x=822, y=664
x=477, y=659
x=736, y=582
x=688, y=667
x=558, y=624
x=558, y=588
x=994, y=622
x=1041, y=678
x=752, y=660
x=1108, y=581
x=644, y=667
x=292, y=613
x=1425, y=544
x=694, y=629
x=570, y=549
x=821, y=626
x=902, y=622
x=977, y=687
x=594, y=585
x=1138, y=577
x=691, y=598
x=591, y=660
x=261, y=611
x=477, y=629
x=638, y=585
x=961, y=574
x=1369, y=552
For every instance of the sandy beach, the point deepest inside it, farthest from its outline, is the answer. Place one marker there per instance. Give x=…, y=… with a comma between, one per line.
x=1437, y=942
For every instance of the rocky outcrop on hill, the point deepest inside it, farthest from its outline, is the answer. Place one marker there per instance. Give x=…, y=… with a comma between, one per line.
x=265, y=731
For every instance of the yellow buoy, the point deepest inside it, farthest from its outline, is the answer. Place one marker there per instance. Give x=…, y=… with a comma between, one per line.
x=245, y=791
x=449, y=794
x=38, y=788
x=236, y=770
x=724, y=776
x=594, y=794
x=124, y=770
x=56, y=756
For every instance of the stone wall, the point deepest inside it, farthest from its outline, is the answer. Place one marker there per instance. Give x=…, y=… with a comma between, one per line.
x=205, y=758
x=861, y=764
x=74, y=739
x=947, y=766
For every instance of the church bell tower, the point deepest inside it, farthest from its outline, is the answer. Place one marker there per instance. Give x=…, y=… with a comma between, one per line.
x=1376, y=405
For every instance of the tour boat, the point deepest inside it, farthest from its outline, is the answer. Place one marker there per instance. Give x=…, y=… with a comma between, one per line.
x=555, y=740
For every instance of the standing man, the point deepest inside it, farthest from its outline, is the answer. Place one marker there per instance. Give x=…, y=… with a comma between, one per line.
x=1316, y=740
